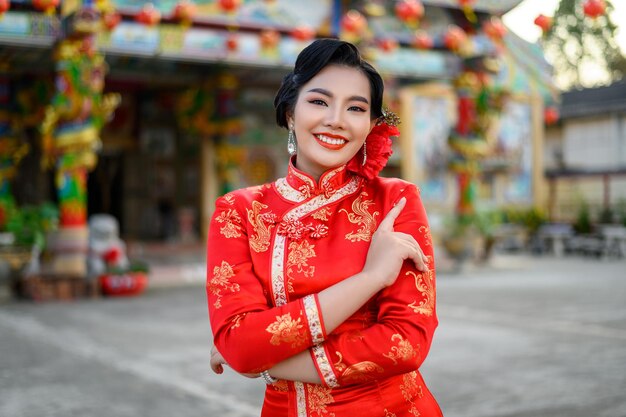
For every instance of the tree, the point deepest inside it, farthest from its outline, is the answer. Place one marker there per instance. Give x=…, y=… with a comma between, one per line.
x=583, y=50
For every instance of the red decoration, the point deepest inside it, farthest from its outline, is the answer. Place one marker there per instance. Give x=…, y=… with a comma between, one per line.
x=388, y=44
x=111, y=20
x=185, y=11
x=466, y=3
x=594, y=8
x=229, y=6
x=354, y=22
x=148, y=15
x=454, y=38
x=4, y=6
x=494, y=28
x=303, y=33
x=131, y=283
x=422, y=40
x=232, y=43
x=544, y=22
x=378, y=144
x=112, y=256
x=47, y=6
x=551, y=115
x=409, y=11
x=269, y=39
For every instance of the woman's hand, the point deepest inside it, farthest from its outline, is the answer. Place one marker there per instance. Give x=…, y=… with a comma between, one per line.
x=217, y=362
x=389, y=249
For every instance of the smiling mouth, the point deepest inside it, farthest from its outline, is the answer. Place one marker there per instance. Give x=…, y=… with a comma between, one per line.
x=330, y=143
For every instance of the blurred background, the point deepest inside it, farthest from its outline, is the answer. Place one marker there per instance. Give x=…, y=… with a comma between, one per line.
x=121, y=121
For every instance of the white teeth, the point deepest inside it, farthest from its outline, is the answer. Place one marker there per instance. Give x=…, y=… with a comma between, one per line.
x=331, y=141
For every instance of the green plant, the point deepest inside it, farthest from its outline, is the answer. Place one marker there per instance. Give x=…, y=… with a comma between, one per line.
x=531, y=218
x=606, y=216
x=583, y=220
x=29, y=224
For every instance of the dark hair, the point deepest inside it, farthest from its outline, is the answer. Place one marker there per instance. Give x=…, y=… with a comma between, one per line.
x=311, y=61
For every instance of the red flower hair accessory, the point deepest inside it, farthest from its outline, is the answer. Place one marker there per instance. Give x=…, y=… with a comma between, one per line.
x=378, y=147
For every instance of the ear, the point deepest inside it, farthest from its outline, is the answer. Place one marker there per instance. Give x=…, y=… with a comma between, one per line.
x=372, y=124
x=290, y=121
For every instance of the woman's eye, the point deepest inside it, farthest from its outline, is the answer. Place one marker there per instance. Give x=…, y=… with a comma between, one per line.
x=356, y=108
x=318, y=102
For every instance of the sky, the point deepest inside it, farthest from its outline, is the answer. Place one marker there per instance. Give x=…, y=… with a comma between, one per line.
x=520, y=19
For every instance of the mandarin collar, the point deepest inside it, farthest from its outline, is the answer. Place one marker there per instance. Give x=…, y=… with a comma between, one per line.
x=329, y=183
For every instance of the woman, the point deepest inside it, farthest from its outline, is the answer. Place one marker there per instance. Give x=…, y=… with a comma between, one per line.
x=318, y=281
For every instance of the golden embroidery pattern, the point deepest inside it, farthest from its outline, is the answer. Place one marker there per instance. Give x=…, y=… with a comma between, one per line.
x=229, y=198
x=260, y=242
x=426, y=232
x=288, y=192
x=324, y=365
x=362, y=217
x=359, y=372
x=232, y=226
x=424, y=284
x=286, y=330
x=319, y=397
x=281, y=385
x=313, y=318
x=404, y=351
x=299, y=255
x=389, y=414
x=411, y=390
x=221, y=282
x=321, y=214
x=237, y=320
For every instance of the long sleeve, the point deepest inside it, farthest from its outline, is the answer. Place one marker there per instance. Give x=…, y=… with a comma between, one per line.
x=399, y=340
x=251, y=335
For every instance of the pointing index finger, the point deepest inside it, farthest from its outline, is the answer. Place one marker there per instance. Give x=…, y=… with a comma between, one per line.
x=393, y=214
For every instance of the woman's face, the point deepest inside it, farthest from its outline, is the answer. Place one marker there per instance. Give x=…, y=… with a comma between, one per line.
x=331, y=118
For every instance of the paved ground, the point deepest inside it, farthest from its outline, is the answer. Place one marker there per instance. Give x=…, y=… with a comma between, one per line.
x=539, y=337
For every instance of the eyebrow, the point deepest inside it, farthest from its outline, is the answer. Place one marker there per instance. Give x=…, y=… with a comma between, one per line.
x=329, y=94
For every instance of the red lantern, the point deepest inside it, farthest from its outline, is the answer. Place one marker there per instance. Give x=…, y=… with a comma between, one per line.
x=454, y=38
x=229, y=6
x=303, y=33
x=594, y=8
x=4, y=6
x=232, y=43
x=354, y=22
x=409, y=11
x=466, y=3
x=422, y=40
x=544, y=22
x=551, y=115
x=148, y=15
x=269, y=39
x=111, y=20
x=47, y=6
x=494, y=28
x=185, y=11
x=388, y=44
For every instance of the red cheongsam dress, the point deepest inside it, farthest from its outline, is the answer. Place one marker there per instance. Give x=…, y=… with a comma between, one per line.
x=273, y=248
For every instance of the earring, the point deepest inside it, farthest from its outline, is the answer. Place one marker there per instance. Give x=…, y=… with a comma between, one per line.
x=291, y=142
x=364, y=153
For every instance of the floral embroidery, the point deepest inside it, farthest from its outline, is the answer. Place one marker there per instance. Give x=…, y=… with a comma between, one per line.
x=286, y=330
x=389, y=414
x=362, y=216
x=232, y=226
x=288, y=192
x=328, y=375
x=404, y=351
x=424, y=284
x=322, y=214
x=221, y=281
x=281, y=385
x=294, y=229
x=260, y=242
x=426, y=232
x=299, y=255
x=229, y=198
x=313, y=318
x=359, y=372
x=278, y=261
x=319, y=397
x=300, y=399
x=237, y=320
x=319, y=231
x=411, y=390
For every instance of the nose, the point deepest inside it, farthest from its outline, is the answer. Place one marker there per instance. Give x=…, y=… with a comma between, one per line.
x=334, y=118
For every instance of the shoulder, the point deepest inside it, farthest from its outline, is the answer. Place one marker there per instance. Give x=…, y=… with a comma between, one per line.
x=391, y=187
x=243, y=197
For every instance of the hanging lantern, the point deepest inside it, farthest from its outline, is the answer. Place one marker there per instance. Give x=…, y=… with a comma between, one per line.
x=149, y=15
x=466, y=6
x=354, y=22
x=229, y=6
x=494, y=28
x=184, y=12
x=454, y=38
x=232, y=42
x=5, y=5
x=551, y=115
x=594, y=8
x=388, y=44
x=111, y=20
x=422, y=40
x=269, y=39
x=410, y=11
x=544, y=22
x=303, y=33
x=46, y=6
